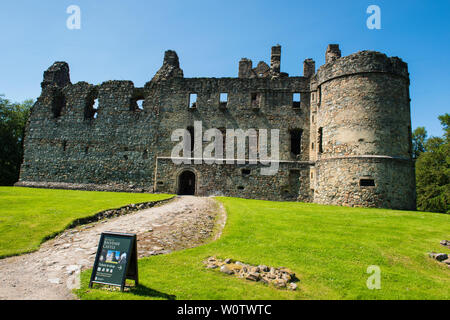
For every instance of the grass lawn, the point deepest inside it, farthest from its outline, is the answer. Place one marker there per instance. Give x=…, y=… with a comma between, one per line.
x=328, y=247
x=28, y=215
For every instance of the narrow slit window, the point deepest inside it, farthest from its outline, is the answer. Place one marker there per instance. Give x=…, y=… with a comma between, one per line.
x=296, y=100
x=367, y=182
x=192, y=101
x=95, y=109
x=320, y=139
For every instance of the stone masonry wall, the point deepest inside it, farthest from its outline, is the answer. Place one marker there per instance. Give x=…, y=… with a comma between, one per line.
x=360, y=104
x=363, y=131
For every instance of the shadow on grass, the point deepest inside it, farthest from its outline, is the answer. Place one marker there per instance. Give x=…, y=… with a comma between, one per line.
x=144, y=291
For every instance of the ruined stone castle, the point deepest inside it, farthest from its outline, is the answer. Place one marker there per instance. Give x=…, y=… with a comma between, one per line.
x=344, y=131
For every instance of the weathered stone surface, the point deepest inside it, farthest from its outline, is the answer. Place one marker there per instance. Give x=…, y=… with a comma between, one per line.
x=226, y=270
x=293, y=286
x=441, y=257
x=360, y=104
x=278, y=277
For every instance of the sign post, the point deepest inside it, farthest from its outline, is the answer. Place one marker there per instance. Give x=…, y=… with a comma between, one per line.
x=116, y=260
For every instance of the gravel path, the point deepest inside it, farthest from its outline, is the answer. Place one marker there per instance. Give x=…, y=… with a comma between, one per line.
x=48, y=273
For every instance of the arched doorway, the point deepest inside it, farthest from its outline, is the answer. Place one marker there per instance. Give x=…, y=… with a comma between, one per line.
x=186, y=183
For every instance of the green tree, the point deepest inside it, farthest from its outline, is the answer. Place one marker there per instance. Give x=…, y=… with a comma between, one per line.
x=433, y=172
x=445, y=121
x=13, y=118
x=419, y=137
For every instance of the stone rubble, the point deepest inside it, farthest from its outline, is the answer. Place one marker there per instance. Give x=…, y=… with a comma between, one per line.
x=278, y=277
x=442, y=257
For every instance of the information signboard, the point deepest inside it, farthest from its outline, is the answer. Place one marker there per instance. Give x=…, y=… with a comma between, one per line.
x=116, y=260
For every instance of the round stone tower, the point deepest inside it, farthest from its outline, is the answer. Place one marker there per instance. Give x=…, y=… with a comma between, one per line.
x=363, y=124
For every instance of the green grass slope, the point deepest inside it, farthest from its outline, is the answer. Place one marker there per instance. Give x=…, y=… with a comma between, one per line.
x=329, y=248
x=28, y=215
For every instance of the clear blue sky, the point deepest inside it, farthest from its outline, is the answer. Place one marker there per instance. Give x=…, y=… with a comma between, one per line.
x=126, y=40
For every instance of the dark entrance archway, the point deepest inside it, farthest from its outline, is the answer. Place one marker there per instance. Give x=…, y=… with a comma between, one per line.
x=186, y=183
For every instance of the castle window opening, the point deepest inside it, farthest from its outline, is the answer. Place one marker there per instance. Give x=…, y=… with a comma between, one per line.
x=240, y=188
x=95, y=109
x=296, y=141
x=223, y=100
x=255, y=99
x=86, y=149
x=91, y=108
x=366, y=182
x=320, y=138
x=58, y=104
x=137, y=100
x=64, y=145
x=246, y=172
x=140, y=104
x=296, y=100
x=312, y=145
x=192, y=100
x=145, y=154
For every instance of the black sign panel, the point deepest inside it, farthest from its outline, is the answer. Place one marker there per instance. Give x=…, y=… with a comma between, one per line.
x=116, y=260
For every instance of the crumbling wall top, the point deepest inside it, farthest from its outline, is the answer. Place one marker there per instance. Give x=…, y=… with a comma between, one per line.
x=58, y=75
x=170, y=68
x=333, y=53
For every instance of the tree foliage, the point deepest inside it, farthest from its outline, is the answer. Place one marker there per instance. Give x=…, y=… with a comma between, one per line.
x=419, y=137
x=13, y=118
x=433, y=172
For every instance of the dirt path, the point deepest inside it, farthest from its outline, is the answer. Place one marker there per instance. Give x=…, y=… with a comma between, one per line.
x=49, y=273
